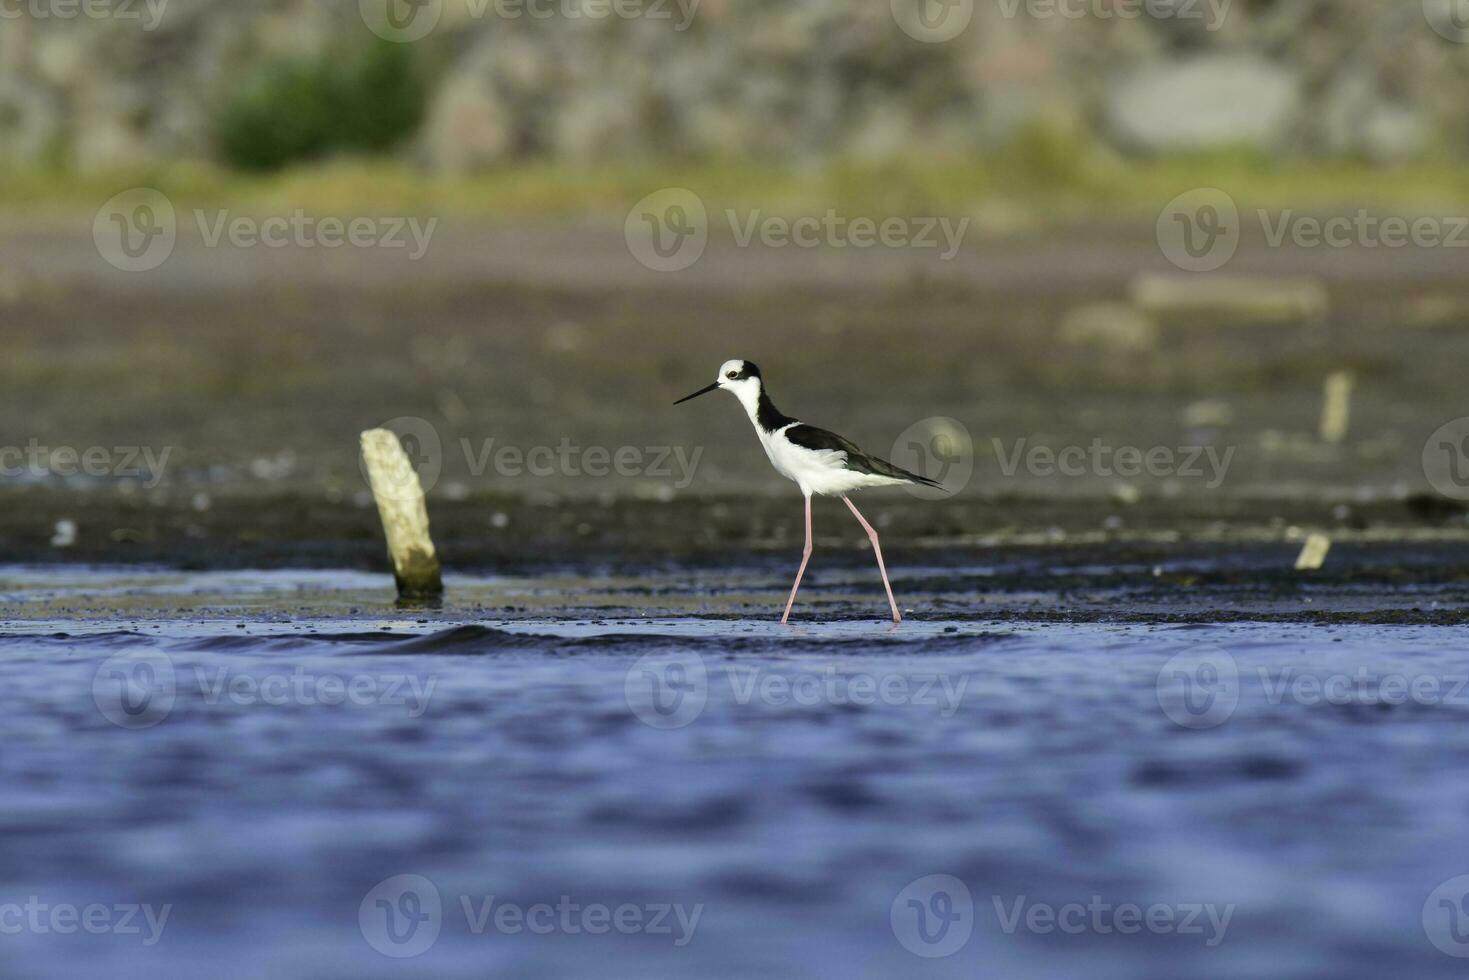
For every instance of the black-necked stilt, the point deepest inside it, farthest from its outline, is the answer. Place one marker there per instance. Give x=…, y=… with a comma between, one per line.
x=818, y=461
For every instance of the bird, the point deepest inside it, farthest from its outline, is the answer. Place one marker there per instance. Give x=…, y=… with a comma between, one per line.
x=820, y=462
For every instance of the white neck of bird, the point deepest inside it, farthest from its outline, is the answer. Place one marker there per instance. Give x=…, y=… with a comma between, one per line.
x=748, y=392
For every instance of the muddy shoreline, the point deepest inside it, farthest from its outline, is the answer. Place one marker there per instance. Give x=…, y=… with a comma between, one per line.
x=1209, y=560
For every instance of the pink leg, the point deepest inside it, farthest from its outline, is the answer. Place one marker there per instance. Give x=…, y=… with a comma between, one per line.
x=805, y=557
x=877, y=550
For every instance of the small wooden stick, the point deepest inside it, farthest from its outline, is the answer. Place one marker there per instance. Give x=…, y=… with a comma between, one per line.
x=1313, y=553
x=400, y=504
x=1336, y=406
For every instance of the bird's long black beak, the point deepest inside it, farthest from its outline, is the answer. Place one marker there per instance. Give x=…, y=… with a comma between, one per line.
x=702, y=391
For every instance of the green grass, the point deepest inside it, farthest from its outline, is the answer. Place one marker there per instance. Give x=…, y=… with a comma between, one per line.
x=1029, y=188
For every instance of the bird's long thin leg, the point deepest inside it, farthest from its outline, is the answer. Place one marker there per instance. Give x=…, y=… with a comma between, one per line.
x=805, y=557
x=877, y=550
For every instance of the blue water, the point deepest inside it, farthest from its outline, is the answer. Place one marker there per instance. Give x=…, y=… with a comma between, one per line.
x=701, y=798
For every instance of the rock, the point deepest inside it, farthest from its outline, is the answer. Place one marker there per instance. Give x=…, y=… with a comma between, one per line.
x=109, y=132
x=1208, y=413
x=31, y=123
x=1205, y=102
x=595, y=125
x=1394, y=134
x=469, y=127
x=64, y=535
x=814, y=82
x=1246, y=299
x=1358, y=119
x=1113, y=326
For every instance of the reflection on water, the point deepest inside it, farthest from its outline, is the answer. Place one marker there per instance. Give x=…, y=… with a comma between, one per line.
x=361, y=797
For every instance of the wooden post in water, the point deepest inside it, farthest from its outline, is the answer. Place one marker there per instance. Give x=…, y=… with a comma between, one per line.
x=1313, y=553
x=400, y=504
x=1336, y=407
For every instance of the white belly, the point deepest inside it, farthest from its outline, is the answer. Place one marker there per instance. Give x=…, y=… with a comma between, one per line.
x=819, y=471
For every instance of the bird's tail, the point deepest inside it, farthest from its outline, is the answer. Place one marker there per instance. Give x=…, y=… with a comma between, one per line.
x=916, y=478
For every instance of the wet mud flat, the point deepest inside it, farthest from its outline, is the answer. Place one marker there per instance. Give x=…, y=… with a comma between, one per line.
x=969, y=557
x=254, y=371
x=284, y=774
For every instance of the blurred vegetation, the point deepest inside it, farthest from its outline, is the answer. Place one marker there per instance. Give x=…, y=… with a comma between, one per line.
x=360, y=100
x=319, y=156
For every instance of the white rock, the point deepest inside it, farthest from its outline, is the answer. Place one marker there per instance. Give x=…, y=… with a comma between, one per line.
x=1114, y=326
x=1207, y=102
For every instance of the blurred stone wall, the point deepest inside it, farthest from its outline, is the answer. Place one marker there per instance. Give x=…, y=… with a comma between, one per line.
x=135, y=81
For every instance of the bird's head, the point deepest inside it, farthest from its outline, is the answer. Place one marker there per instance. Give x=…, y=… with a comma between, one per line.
x=740, y=377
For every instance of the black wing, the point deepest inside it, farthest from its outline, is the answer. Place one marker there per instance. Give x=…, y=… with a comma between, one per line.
x=810, y=437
